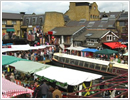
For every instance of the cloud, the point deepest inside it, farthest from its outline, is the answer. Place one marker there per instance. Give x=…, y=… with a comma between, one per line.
x=112, y=6
x=40, y=7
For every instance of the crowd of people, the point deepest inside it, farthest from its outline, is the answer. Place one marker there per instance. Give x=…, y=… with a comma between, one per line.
x=42, y=89
x=34, y=55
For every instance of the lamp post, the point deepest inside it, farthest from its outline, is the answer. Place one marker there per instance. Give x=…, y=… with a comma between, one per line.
x=41, y=29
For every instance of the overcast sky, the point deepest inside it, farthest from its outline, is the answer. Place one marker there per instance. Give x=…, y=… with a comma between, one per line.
x=40, y=7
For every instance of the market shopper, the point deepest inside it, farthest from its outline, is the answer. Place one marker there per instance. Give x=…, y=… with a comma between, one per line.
x=37, y=91
x=3, y=74
x=12, y=78
x=44, y=89
x=57, y=93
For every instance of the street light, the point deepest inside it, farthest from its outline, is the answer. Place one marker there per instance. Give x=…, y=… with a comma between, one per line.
x=41, y=29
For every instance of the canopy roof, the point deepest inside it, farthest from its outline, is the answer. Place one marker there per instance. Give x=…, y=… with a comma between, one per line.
x=24, y=47
x=10, y=59
x=11, y=89
x=85, y=59
x=115, y=45
x=106, y=51
x=66, y=75
x=89, y=50
x=75, y=48
x=28, y=66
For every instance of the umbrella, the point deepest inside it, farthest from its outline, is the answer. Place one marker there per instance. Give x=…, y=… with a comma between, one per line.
x=106, y=51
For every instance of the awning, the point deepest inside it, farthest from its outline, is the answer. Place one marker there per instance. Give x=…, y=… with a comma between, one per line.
x=10, y=30
x=106, y=51
x=126, y=54
x=89, y=50
x=75, y=48
x=115, y=45
x=28, y=67
x=10, y=59
x=66, y=75
x=11, y=89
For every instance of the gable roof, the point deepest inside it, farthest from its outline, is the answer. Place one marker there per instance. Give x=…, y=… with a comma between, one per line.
x=66, y=30
x=12, y=16
x=95, y=34
x=96, y=24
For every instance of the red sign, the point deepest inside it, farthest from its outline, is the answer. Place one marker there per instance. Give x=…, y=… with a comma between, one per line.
x=50, y=32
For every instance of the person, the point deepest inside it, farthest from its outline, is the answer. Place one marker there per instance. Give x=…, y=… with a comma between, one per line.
x=12, y=78
x=122, y=61
x=3, y=74
x=57, y=93
x=25, y=34
x=10, y=35
x=37, y=91
x=42, y=55
x=101, y=86
x=44, y=89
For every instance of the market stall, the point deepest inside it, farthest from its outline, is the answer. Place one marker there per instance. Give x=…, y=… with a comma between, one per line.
x=27, y=67
x=10, y=89
x=10, y=59
x=88, y=52
x=75, y=50
x=69, y=76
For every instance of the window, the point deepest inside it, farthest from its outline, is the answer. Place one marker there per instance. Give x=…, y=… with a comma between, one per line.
x=13, y=22
x=62, y=59
x=72, y=62
x=76, y=62
x=110, y=25
x=122, y=23
x=91, y=40
x=109, y=38
x=4, y=22
x=104, y=68
x=67, y=60
x=91, y=65
x=86, y=64
x=98, y=66
x=56, y=57
x=89, y=34
x=33, y=21
x=90, y=24
x=100, y=25
x=81, y=63
x=91, y=16
x=112, y=16
x=94, y=7
x=27, y=21
x=114, y=37
x=82, y=21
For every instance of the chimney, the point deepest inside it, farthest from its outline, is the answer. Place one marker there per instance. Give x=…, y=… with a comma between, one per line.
x=22, y=13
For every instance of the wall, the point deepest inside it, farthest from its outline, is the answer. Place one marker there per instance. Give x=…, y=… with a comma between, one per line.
x=82, y=12
x=52, y=20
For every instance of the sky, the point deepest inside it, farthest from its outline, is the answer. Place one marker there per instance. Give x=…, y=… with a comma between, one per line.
x=40, y=7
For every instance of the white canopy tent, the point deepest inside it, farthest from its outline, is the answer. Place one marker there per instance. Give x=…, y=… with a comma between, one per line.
x=24, y=47
x=66, y=75
x=75, y=48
